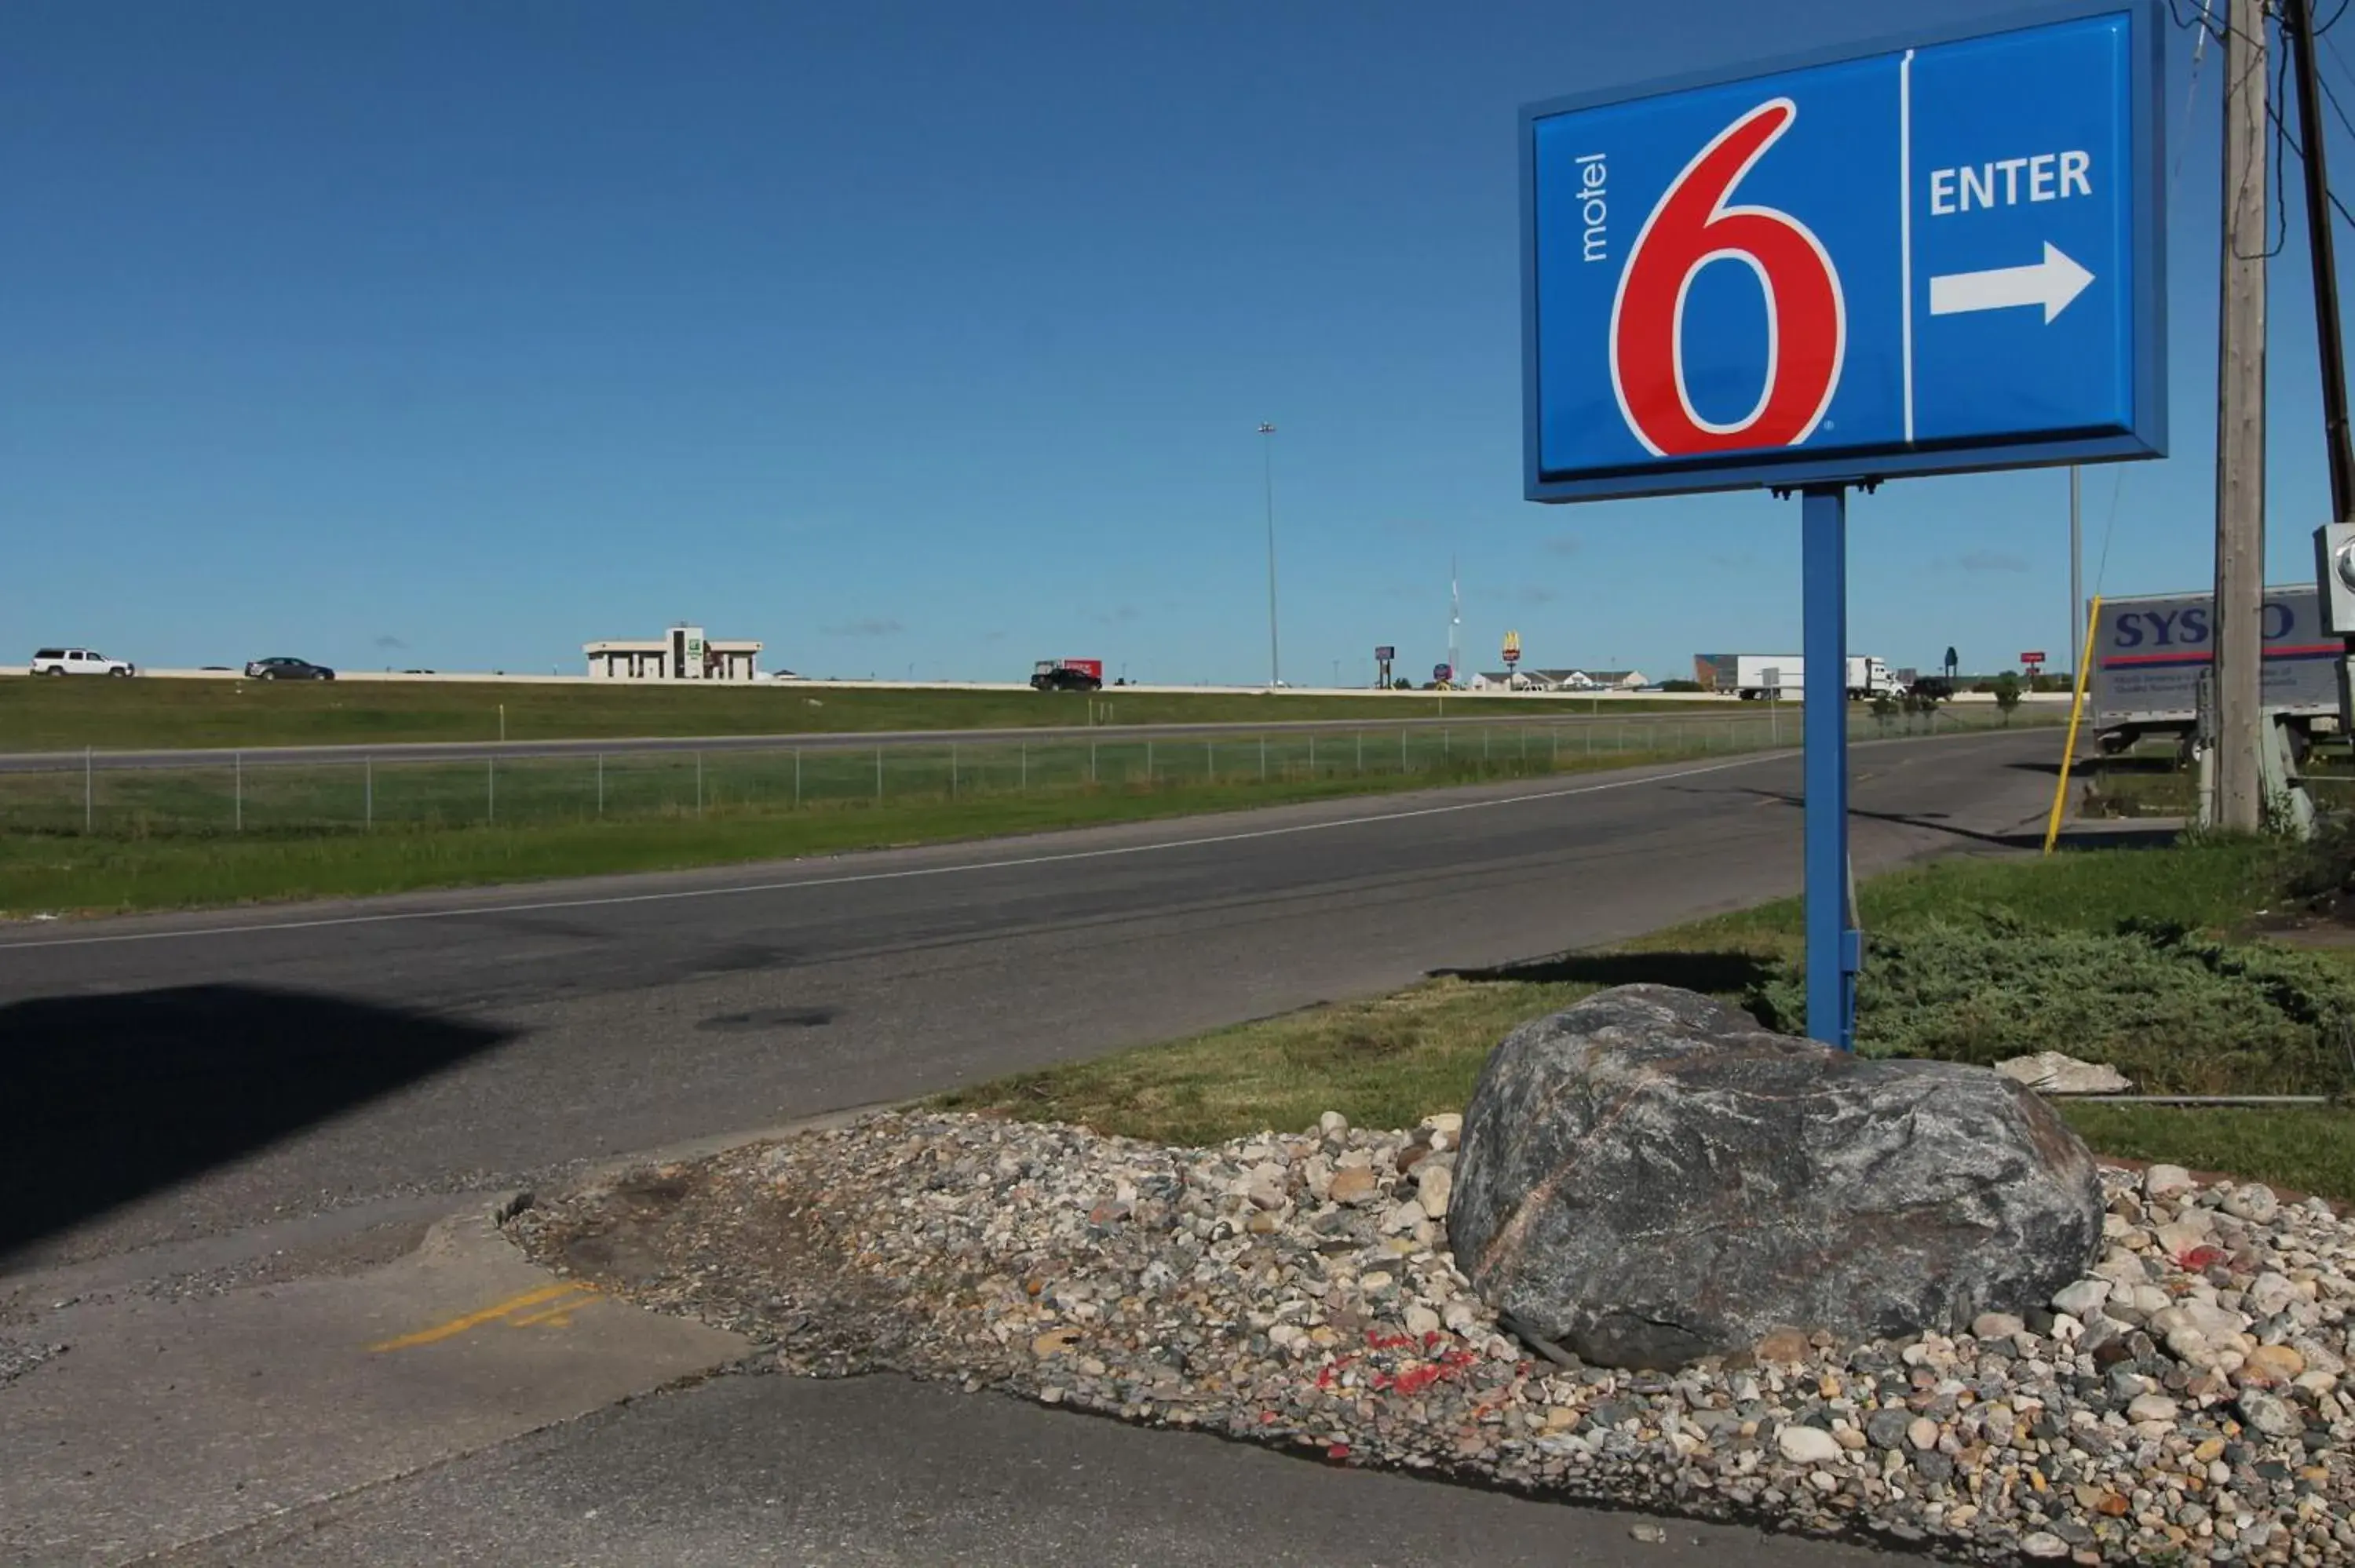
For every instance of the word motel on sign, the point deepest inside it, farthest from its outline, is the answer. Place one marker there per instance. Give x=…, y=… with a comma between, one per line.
x=1593, y=212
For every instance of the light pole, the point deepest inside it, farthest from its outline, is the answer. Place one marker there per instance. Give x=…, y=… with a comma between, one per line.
x=2076, y=575
x=1267, y=468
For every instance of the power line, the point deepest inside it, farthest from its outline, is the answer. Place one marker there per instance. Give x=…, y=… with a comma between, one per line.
x=2281, y=138
x=2327, y=91
x=2117, y=489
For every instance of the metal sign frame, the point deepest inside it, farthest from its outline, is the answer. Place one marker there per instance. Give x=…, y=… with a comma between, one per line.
x=1799, y=468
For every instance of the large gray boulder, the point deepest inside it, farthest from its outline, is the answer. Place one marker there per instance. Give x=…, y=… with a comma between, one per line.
x=1650, y=1177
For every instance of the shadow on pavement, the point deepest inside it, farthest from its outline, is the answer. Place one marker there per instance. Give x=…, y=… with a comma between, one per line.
x=1723, y=973
x=111, y=1098
x=2120, y=833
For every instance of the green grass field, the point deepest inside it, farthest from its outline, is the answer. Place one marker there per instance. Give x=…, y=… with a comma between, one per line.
x=139, y=714
x=1391, y=1059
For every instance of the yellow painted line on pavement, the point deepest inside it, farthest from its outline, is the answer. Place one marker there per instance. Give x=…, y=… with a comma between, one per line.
x=493, y=1313
x=555, y=1316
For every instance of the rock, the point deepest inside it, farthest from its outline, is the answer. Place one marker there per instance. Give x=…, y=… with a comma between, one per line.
x=2052, y=1073
x=2254, y=1202
x=1422, y=1320
x=2270, y=1293
x=1804, y=1445
x=2180, y=1239
x=1432, y=1185
x=2150, y=1407
x=1352, y=1184
x=1333, y=1125
x=2219, y=1324
x=2079, y=1300
x=2043, y=1543
x=1886, y=1429
x=2269, y=1413
x=1922, y=1433
x=1401, y=1219
x=1649, y=1177
x=1995, y=1326
x=2166, y=1181
x=1650, y=1534
x=2272, y=1365
x=2122, y=1269
x=2190, y=1347
x=2318, y=1357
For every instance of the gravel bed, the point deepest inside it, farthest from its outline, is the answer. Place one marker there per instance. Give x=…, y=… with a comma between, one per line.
x=18, y=1357
x=2182, y=1403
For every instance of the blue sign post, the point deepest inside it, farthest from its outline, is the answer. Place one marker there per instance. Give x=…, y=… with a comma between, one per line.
x=1938, y=255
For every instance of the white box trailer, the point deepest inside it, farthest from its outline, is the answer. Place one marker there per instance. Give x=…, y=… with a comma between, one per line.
x=2150, y=651
x=1784, y=675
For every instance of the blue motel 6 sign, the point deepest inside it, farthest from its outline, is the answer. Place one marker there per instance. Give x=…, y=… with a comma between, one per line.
x=1941, y=255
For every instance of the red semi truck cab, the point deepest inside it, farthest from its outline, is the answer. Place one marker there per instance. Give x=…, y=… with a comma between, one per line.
x=1067, y=675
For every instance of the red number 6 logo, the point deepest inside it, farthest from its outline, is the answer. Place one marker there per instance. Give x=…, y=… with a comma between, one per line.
x=1806, y=321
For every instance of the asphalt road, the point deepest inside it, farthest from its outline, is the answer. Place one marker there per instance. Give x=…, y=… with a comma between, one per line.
x=1481, y=712
x=219, y=1126
x=198, y=1074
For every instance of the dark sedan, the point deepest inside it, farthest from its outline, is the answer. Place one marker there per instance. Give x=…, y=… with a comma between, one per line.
x=287, y=670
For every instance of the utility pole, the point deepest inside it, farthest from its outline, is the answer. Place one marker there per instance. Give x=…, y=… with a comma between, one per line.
x=2241, y=427
x=1267, y=454
x=2298, y=34
x=2297, y=31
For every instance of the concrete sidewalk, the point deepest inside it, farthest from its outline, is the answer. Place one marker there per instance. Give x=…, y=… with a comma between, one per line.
x=172, y=1419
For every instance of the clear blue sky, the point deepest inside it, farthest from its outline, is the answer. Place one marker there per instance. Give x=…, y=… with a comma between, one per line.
x=457, y=334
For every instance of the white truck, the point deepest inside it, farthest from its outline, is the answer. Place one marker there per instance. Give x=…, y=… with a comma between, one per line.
x=1784, y=675
x=79, y=661
x=2150, y=651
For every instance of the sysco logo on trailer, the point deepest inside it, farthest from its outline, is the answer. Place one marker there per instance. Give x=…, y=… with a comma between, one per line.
x=2188, y=626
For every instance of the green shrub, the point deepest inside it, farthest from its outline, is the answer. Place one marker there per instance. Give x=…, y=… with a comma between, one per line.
x=2175, y=1012
x=2320, y=870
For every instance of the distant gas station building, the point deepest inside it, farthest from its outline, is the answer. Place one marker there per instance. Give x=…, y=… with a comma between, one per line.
x=683, y=653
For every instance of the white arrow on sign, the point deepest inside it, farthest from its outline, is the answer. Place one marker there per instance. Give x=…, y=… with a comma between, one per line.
x=2052, y=282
